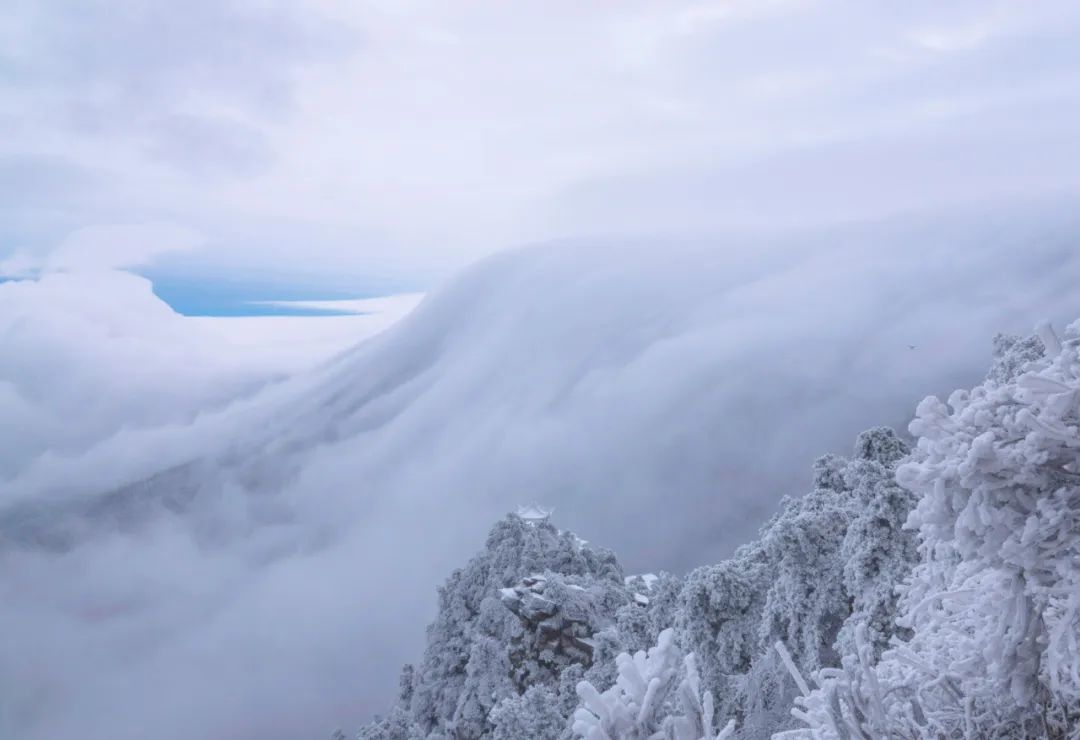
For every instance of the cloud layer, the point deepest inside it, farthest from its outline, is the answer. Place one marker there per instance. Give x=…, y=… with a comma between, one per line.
x=90, y=352
x=369, y=136
x=198, y=540
x=262, y=570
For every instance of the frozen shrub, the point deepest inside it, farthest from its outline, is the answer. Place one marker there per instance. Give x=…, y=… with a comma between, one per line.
x=657, y=695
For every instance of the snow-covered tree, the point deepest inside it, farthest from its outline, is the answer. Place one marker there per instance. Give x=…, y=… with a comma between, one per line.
x=912, y=594
x=398, y=725
x=998, y=471
x=837, y=554
x=877, y=551
x=535, y=714
x=824, y=565
x=719, y=619
x=1012, y=354
x=657, y=695
x=664, y=602
x=993, y=607
x=539, y=611
x=806, y=604
x=535, y=603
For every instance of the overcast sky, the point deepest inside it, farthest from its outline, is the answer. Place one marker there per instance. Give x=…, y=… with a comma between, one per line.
x=658, y=368
x=332, y=137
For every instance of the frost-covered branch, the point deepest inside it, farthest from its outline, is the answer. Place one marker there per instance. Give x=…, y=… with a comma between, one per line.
x=657, y=695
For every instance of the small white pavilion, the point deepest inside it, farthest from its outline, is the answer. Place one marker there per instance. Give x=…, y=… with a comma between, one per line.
x=534, y=513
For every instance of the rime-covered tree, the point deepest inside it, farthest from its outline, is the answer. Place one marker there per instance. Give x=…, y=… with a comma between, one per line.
x=993, y=607
x=719, y=619
x=538, y=713
x=1012, y=354
x=837, y=554
x=877, y=551
x=921, y=593
x=806, y=603
x=535, y=603
x=539, y=611
x=825, y=564
x=470, y=617
x=658, y=694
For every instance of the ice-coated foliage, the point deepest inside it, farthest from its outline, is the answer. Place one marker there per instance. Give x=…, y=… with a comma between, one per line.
x=848, y=701
x=882, y=446
x=993, y=607
x=877, y=552
x=824, y=565
x=538, y=613
x=836, y=555
x=396, y=726
x=533, y=604
x=1011, y=355
x=536, y=713
x=720, y=615
x=805, y=604
x=657, y=695
x=664, y=602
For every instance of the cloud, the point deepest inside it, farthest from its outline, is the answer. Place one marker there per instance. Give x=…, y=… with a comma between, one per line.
x=833, y=183
x=134, y=111
x=90, y=350
x=119, y=246
x=260, y=570
x=104, y=247
x=89, y=353
x=138, y=56
x=208, y=146
x=28, y=180
x=377, y=134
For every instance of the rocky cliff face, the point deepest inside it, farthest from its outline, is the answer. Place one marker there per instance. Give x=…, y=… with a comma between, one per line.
x=562, y=625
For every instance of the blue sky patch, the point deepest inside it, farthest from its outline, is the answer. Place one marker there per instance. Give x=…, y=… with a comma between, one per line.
x=225, y=295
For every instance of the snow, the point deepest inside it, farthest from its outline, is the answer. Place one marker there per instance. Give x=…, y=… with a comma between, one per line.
x=647, y=578
x=994, y=595
x=657, y=694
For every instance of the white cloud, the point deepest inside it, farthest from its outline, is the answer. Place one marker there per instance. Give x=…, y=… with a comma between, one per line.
x=90, y=352
x=279, y=559
x=415, y=134
x=110, y=247
x=103, y=247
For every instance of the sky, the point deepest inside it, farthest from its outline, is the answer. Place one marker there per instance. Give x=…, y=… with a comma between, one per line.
x=332, y=139
x=642, y=262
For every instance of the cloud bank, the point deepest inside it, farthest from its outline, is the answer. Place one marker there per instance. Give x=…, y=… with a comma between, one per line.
x=261, y=570
x=89, y=352
x=419, y=136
